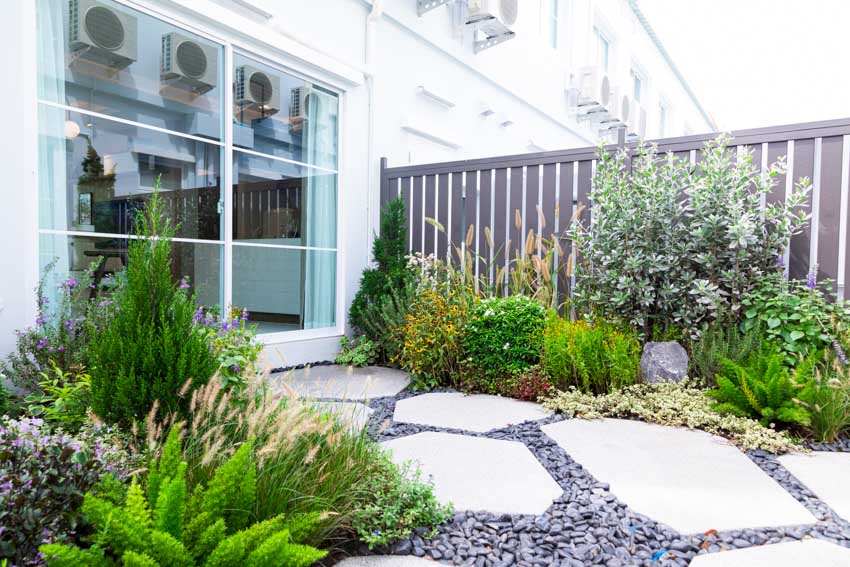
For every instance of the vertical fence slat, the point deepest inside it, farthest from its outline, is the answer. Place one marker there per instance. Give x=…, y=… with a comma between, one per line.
x=830, y=205
x=843, y=264
x=404, y=184
x=417, y=214
x=532, y=194
x=485, y=220
x=430, y=199
x=458, y=214
x=516, y=201
x=443, y=215
x=798, y=264
x=776, y=150
x=501, y=218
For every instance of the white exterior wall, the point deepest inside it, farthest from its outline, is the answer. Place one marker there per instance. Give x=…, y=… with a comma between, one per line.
x=376, y=64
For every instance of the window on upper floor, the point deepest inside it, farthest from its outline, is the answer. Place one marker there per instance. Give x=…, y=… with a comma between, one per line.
x=637, y=85
x=553, y=22
x=603, y=49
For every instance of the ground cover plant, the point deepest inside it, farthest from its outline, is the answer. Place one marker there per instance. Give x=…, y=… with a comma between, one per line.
x=674, y=405
x=674, y=244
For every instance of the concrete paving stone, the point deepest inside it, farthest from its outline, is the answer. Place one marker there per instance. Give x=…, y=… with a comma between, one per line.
x=690, y=480
x=354, y=414
x=476, y=412
x=479, y=474
x=342, y=382
x=386, y=561
x=825, y=474
x=806, y=553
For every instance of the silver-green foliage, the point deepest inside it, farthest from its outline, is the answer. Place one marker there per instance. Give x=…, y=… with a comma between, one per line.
x=674, y=243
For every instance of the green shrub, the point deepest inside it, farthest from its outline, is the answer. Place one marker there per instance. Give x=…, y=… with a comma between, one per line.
x=62, y=398
x=595, y=358
x=676, y=405
x=389, y=251
x=383, y=320
x=432, y=348
x=396, y=501
x=234, y=343
x=43, y=477
x=502, y=336
x=761, y=388
x=721, y=340
x=64, y=327
x=796, y=316
x=152, y=347
x=4, y=397
x=357, y=352
x=151, y=531
x=307, y=463
x=651, y=257
x=828, y=398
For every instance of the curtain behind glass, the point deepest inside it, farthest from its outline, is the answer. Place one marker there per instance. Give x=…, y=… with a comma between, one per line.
x=52, y=169
x=320, y=197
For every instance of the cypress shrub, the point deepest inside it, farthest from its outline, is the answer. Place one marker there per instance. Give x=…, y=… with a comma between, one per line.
x=390, y=272
x=152, y=345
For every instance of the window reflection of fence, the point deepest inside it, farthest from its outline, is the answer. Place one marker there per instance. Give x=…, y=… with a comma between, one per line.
x=267, y=209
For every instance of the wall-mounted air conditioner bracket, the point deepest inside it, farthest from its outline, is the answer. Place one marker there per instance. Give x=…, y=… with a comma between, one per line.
x=495, y=32
x=425, y=6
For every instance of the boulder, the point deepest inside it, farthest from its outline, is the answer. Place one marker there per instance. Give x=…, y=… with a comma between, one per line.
x=664, y=362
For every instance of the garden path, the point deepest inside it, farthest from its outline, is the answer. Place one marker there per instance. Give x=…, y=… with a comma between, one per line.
x=535, y=489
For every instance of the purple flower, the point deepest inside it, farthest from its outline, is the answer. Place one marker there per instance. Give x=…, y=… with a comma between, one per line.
x=244, y=315
x=43, y=300
x=60, y=349
x=780, y=262
x=235, y=368
x=39, y=320
x=41, y=344
x=812, y=279
x=104, y=303
x=184, y=282
x=71, y=283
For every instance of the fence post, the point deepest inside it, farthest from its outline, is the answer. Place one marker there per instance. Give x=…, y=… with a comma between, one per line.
x=384, y=184
x=463, y=222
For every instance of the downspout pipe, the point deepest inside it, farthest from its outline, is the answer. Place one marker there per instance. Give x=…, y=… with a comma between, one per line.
x=372, y=21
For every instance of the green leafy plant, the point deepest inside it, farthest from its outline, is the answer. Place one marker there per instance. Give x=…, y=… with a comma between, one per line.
x=391, y=271
x=502, y=336
x=357, y=352
x=396, y=501
x=761, y=388
x=62, y=397
x=234, y=343
x=431, y=351
x=828, y=398
x=676, y=244
x=211, y=527
x=676, y=405
x=796, y=316
x=44, y=474
x=383, y=320
x=721, y=340
x=152, y=346
x=595, y=358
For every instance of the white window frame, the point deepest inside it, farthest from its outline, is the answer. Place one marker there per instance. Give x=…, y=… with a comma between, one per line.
x=663, y=117
x=302, y=63
x=638, y=85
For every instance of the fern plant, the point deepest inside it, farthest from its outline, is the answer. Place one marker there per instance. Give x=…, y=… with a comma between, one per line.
x=761, y=388
x=165, y=526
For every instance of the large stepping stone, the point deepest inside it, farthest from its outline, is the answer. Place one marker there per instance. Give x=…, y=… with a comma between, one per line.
x=386, y=561
x=825, y=474
x=810, y=552
x=342, y=382
x=479, y=474
x=478, y=412
x=353, y=414
x=690, y=480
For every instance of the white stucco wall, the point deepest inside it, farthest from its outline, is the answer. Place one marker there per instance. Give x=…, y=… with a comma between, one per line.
x=377, y=67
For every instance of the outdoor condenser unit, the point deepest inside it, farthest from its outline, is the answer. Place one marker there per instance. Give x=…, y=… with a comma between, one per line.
x=101, y=33
x=257, y=90
x=188, y=62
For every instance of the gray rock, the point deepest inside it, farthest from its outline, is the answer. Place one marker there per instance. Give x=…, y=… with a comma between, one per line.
x=664, y=362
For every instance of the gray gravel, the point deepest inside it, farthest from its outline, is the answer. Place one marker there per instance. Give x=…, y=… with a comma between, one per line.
x=587, y=525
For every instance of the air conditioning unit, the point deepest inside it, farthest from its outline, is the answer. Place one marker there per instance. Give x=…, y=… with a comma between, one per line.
x=619, y=108
x=257, y=90
x=493, y=18
x=299, y=107
x=188, y=62
x=637, y=119
x=100, y=33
